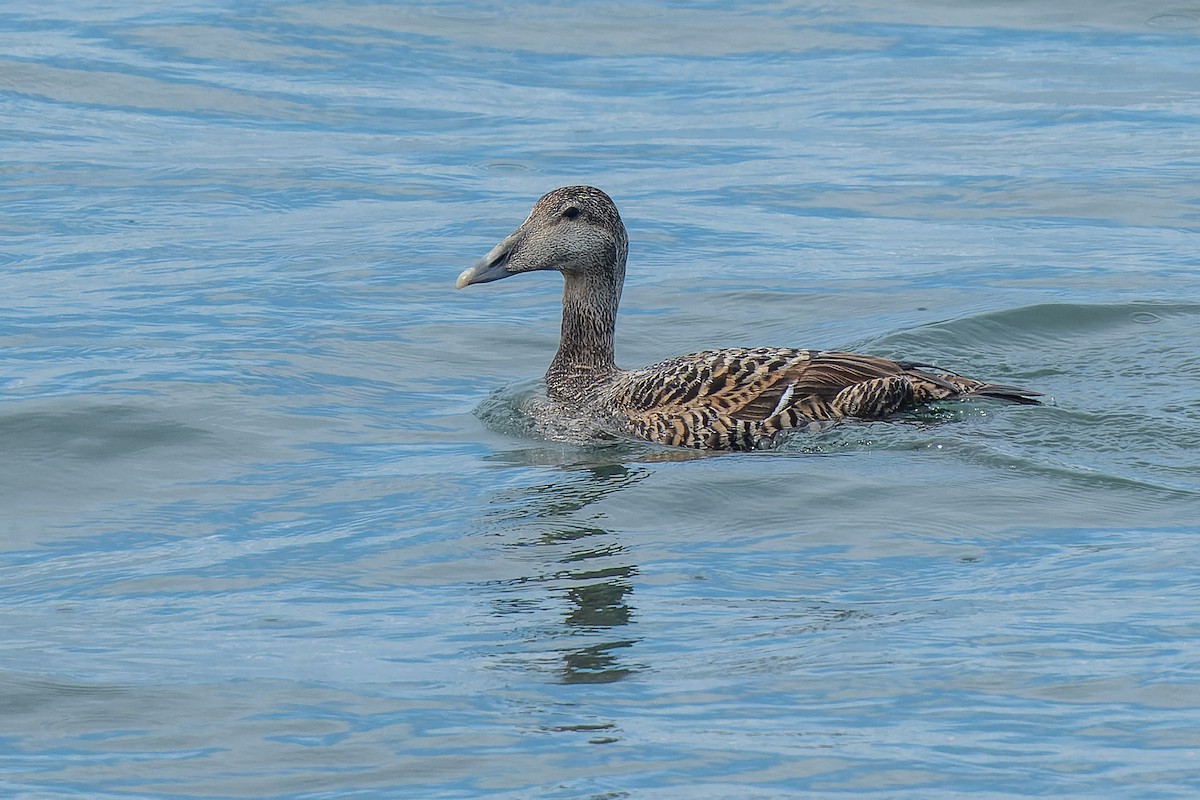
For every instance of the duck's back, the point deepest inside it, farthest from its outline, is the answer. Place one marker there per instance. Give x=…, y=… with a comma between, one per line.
x=735, y=399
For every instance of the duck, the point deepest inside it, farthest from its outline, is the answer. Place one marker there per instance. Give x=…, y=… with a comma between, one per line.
x=735, y=398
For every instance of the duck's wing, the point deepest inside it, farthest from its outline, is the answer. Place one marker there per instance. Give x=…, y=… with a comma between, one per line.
x=754, y=384
x=830, y=385
x=742, y=394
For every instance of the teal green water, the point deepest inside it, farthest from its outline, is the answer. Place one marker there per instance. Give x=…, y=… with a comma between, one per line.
x=272, y=527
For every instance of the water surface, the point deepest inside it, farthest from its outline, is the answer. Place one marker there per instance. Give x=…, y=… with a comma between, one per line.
x=269, y=530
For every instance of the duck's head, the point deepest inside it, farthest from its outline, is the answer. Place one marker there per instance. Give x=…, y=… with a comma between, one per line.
x=575, y=230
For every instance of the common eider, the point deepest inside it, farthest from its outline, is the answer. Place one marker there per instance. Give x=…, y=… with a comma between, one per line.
x=730, y=399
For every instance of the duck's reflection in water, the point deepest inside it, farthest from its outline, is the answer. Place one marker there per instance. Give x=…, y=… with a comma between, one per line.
x=580, y=570
x=599, y=606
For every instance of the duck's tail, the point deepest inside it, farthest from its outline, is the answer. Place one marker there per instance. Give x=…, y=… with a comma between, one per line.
x=1010, y=394
x=970, y=387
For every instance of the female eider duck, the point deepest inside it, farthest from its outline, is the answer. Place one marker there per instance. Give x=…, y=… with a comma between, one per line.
x=732, y=399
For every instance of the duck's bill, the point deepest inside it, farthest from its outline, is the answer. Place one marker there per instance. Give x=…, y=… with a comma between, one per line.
x=491, y=267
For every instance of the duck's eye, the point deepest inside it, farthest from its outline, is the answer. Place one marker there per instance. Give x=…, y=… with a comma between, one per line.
x=570, y=212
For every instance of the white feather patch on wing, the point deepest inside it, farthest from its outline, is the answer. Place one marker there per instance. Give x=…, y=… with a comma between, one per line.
x=783, y=401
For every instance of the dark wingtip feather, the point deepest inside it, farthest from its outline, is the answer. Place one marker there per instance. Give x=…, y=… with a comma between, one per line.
x=1010, y=394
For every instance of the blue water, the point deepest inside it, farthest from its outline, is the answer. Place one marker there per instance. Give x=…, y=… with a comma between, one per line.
x=273, y=528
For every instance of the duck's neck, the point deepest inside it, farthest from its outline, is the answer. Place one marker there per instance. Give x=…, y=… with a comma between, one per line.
x=589, y=318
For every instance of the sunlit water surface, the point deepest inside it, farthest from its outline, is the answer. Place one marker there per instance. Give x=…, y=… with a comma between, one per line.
x=272, y=528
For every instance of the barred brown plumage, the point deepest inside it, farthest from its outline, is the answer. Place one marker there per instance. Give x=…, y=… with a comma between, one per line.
x=730, y=399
